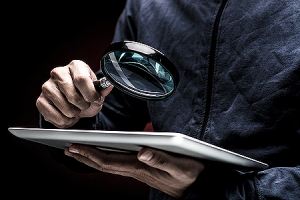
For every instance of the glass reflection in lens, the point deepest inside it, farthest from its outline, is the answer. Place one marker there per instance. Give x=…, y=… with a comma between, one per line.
x=138, y=72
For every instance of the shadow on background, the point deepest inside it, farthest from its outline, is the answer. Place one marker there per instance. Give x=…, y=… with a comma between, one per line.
x=41, y=37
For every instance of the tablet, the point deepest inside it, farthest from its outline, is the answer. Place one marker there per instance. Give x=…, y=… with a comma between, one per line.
x=126, y=141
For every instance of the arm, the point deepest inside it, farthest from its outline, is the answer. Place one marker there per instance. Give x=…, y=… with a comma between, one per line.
x=273, y=183
x=277, y=182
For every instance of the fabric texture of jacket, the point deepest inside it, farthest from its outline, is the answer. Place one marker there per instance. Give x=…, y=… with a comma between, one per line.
x=239, y=66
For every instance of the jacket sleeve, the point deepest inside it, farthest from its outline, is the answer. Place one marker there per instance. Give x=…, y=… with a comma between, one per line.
x=226, y=183
x=218, y=182
x=276, y=182
x=279, y=183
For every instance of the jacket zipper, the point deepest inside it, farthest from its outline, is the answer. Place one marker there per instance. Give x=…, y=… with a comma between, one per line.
x=211, y=66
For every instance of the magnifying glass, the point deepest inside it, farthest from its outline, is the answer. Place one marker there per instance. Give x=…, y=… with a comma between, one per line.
x=138, y=70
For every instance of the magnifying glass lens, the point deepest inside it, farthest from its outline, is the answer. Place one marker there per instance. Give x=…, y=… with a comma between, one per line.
x=137, y=73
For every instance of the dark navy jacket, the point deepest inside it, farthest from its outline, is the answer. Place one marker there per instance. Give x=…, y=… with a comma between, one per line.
x=239, y=66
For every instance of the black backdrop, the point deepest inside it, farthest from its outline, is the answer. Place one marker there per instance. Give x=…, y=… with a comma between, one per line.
x=38, y=37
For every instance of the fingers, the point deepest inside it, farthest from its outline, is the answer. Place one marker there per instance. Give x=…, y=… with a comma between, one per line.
x=169, y=163
x=157, y=159
x=70, y=94
x=94, y=108
x=83, y=78
x=114, y=163
x=63, y=79
x=52, y=115
x=82, y=159
x=157, y=169
x=54, y=95
x=103, y=83
x=109, y=161
x=106, y=91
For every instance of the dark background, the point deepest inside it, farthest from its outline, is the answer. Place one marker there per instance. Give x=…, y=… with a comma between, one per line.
x=37, y=38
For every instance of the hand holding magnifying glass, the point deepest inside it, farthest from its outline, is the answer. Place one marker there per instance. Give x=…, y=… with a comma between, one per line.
x=138, y=70
x=134, y=68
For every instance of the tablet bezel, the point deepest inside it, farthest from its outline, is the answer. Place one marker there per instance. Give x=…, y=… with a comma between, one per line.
x=133, y=141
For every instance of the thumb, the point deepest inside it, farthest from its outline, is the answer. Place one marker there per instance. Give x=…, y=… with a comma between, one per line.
x=94, y=108
x=106, y=91
x=103, y=86
x=96, y=105
x=156, y=159
x=174, y=165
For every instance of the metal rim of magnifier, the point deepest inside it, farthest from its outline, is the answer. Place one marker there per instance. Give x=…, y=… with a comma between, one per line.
x=132, y=46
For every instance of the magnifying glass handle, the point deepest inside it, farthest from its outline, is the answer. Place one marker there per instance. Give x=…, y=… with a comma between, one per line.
x=101, y=84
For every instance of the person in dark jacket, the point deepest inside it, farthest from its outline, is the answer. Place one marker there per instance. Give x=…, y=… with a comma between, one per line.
x=239, y=66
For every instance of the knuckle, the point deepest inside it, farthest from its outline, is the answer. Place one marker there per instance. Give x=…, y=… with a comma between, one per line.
x=46, y=89
x=59, y=124
x=48, y=120
x=62, y=123
x=80, y=79
x=55, y=71
x=90, y=97
x=38, y=103
x=68, y=114
x=76, y=63
x=84, y=105
x=73, y=98
x=68, y=121
x=71, y=113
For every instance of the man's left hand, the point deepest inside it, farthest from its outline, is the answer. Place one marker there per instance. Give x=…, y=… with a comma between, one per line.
x=167, y=173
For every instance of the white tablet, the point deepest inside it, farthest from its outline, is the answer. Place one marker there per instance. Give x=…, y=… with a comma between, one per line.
x=134, y=141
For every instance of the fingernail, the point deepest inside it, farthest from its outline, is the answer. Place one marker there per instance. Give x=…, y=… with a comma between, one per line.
x=73, y=149
x=146, y=156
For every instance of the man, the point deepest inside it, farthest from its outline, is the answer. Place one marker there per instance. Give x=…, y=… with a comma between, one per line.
x=239, y=66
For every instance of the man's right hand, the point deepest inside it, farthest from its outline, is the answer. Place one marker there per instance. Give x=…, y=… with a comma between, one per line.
x=70, y=94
